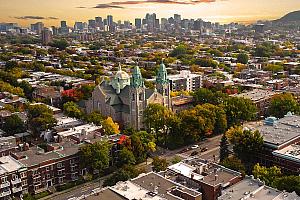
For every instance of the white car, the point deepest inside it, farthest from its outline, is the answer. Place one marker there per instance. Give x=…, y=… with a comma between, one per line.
x=195, y=146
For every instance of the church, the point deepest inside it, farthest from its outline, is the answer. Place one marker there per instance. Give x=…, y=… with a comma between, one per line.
x=124, y=97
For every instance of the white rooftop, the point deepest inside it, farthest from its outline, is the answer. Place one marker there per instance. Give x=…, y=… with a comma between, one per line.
x=85, y=128
x=132, y=191
x=185, y=170
x=9, y=164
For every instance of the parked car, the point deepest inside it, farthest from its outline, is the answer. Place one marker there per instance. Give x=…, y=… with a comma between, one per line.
x=195, y=146
x=204, y=149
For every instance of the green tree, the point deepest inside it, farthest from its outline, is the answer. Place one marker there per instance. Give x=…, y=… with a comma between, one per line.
x=125, y=173
x=268, y=175
x=274, y=68
x=288, y=183
x=235, y=164
x=40, y=118
x=281, y=104
x=13, y=124
x=179, y=51
x=243, y=58
x=224, y=145
x=60, y=44
x=246, y=143
x=239, y=110
x=71, y=109
x=95, y=117
x=96, y=156
x=159, y=164
x=126, y=157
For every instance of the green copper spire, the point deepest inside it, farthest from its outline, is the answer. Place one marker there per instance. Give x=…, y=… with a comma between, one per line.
x=161, y=77
x=136, y=80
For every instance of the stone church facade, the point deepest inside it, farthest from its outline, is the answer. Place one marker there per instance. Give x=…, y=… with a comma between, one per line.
x=124, y=97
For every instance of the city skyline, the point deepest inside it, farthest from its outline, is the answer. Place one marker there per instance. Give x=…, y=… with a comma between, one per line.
x=223, y=11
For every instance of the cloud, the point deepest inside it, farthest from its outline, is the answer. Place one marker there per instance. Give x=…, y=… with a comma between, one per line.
x=28, y=17
x=182, y=2
x=110, y=5
x=120, y=4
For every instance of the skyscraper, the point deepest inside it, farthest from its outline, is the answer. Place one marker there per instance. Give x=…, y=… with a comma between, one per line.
x=63, y=24
x=99, y=22
x=46, y=36
x=110, y=20
x=138, y=23
x=37, y=27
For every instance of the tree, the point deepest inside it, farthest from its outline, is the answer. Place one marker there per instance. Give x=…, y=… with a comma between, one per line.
x=235, y=164
x=288, y=183
x=96, y=156
x=60, y=44
x=13, y=124
x=135, y=145
x=95, y=118
x=281, y=104
x=159, y=164
x=274, y=68
x=245, y=143
x=155, y=119
x=125, y=173
x=242, y=58
x=40, y=118
x=224, y=151
x=71, y=109
x=110, y=127
x=179, y=51
x=238, y=110
x=267, y=175
x=126, y=157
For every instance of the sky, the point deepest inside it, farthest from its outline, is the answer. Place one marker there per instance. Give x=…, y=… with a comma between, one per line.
x=51, y=12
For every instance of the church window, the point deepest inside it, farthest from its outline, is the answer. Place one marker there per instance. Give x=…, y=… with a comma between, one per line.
x=132, y=97
x=141, y=96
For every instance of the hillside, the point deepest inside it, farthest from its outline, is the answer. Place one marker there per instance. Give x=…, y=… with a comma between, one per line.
x=290, y=17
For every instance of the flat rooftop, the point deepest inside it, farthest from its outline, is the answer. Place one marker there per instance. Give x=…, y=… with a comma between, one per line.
x=278, y=132
x=156, y=183
x=290, y=152
x=256, y=95
x=249, y=189
x=9, y=164
x=129, y=190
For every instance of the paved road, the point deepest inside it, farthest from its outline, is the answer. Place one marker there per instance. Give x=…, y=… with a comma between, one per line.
x=212, y=144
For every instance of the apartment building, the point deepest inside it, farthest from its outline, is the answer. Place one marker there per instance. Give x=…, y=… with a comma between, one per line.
x=185, y=81
x=13, y=176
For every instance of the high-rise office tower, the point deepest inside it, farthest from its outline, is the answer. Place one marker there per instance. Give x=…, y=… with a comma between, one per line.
x=92, y=23
x=63, y=24
x=37, y=27
x=99, y=22
x=138, y=23
x=78, y=26
x=110, y=20
x=46, y=36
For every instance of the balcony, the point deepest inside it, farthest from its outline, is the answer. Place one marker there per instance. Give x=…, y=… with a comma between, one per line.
x=16, y=181
x=4, y=185
x=16, y=189
x=6, y=193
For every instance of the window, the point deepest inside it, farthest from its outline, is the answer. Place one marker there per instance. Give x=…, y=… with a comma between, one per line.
x=61, y=179
x=60, y=172
x=48, y=176
x=24, y=182
x=60, y=165
x=4, y=179
x=72, y=161
x=72, y=169
x=47, y=168
x=23, y=174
